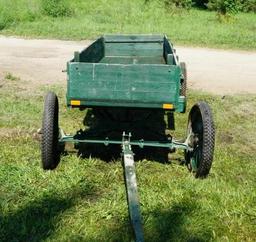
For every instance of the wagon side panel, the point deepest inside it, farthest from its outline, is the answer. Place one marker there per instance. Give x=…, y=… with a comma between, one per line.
x=149, y=86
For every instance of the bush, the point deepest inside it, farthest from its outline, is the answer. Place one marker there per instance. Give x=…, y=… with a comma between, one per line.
x=200, y=3
x=224, y=7
x=187, y=4
x=5, y=19
x=248, y=5
x=56, y=8
x=12, y=13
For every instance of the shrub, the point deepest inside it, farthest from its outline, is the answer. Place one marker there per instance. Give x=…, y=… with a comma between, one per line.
x=248, y=5
x=56, y=8
x=12, y=13
x=227, y=6
x=187, y=4
x=224, y=7
x=200, y=3
x=5, y=18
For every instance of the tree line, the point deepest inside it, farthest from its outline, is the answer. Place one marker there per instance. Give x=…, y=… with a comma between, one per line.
x=223, y=7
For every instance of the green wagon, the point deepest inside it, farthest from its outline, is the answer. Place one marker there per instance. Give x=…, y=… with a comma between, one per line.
x=123, y=79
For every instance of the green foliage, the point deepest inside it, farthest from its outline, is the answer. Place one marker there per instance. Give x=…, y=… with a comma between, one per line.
x=224, y=7
x=248, y=5
x=56, y=8
x=187, y=4
x=228, y=6
x=5, y=18
x=200, y=3
x=11, y=77
x=93, y=18
x=13, y=12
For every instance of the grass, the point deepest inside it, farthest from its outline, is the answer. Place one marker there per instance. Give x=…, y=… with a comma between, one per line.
x=10, y=77
x=87, y=20
x=84, y=199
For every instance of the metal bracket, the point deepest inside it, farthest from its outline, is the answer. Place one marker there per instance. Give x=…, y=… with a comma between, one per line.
x=131, y=188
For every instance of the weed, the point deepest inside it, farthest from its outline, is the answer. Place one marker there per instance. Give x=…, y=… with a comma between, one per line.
x=56, y=8
x=11, y=77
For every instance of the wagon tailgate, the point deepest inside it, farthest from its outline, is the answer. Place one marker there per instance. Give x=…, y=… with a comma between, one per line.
x=123, y=85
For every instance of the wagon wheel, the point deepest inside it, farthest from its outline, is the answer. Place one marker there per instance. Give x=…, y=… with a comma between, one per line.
x=50, y=132
x=183, y=88
x=201, y=134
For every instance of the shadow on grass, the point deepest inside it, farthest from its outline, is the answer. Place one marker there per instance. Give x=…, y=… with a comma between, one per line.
x=39, y=219
x=146, y=125
x=162, y=224
x=174, y=224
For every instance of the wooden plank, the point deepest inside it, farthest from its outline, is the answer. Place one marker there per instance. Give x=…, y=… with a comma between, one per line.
x=133, y=49
x=170, y=59
x=94, y=53
x=124, y=83
x=133, y=60
x=168, y=50
x=167, y=46
x=76, y=56
x=133, y=38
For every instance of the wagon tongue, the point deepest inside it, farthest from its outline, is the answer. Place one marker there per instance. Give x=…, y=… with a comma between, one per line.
x=131, y=188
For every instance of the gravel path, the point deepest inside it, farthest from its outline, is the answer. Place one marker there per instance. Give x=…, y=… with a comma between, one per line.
x=215, y=71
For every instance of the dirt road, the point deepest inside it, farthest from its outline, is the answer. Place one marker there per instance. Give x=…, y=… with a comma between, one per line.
x=216, y=71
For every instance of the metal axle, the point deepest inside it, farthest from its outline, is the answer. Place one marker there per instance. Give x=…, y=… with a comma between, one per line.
x=171, y=144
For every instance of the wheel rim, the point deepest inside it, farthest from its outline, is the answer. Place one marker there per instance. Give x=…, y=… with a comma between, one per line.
x=195, y=130
x=195, y=159
x=200, y=140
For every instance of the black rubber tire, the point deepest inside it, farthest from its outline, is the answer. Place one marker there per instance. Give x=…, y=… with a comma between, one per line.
x=200, y=122
x=50, y=132
x=183, y=87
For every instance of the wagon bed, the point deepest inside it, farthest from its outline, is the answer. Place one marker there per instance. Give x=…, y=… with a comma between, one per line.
x=139, y=71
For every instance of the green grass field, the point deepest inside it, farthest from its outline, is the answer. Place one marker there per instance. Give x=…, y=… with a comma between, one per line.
x=89, y=19
x=84, y=199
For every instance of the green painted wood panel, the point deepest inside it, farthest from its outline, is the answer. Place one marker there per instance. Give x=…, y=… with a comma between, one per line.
x=94, y=53
x=133, y=60
x=126, y=71
x=112, y=83
x=134, y=49
x=133, y=38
